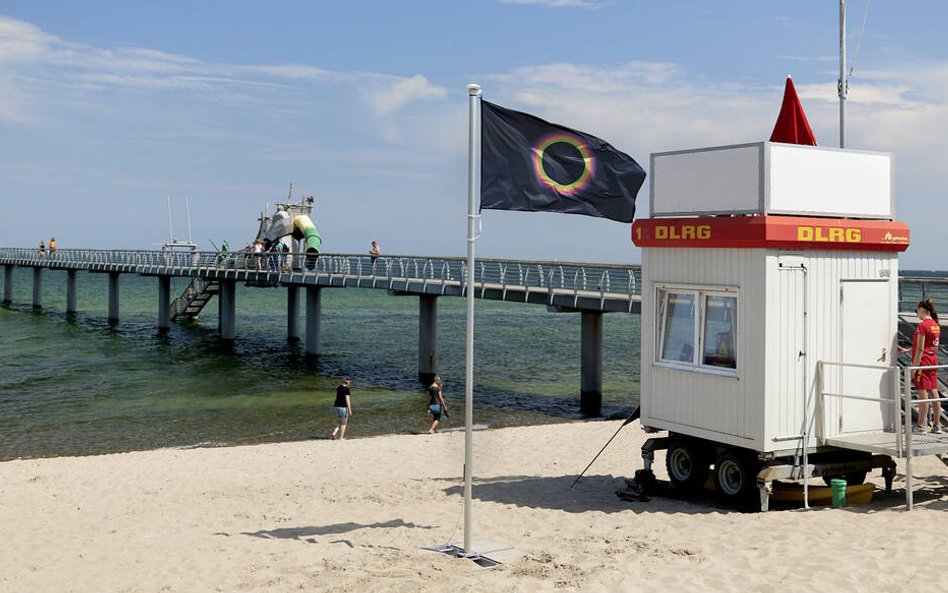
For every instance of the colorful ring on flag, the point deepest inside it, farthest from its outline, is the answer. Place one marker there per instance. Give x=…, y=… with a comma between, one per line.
x=577, y=143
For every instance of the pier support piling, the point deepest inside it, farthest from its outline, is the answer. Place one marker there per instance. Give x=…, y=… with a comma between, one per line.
x=114, y=298
x=590, y=399
x=164, y=303
x=427, y=338
x=70, y=292
x=37, y=288
x=293, y=313
x=7, y=284
x=313, y=308
x=227, y=307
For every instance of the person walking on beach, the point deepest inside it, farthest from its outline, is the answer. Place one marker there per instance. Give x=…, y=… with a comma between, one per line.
x=436, y=403
x=925, y=353
x=343, y=407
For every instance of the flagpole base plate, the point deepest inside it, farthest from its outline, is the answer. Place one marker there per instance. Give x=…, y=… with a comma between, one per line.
x=492, y=553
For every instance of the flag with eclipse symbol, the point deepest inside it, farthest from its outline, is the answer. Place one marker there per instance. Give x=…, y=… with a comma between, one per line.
x=532, y=165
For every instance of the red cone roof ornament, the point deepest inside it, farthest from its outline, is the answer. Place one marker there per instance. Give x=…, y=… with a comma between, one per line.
x=792, y=126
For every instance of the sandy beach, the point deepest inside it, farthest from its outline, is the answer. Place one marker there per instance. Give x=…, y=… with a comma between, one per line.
x=355, y=516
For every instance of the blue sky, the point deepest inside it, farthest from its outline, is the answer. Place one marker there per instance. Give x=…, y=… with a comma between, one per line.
x=109, y=107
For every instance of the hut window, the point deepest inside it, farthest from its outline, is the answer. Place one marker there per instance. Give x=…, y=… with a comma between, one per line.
x=678, y=337
x=698, y=328
x=720, y=331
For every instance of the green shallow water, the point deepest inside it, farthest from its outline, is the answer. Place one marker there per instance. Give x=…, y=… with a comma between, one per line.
x=72, y=385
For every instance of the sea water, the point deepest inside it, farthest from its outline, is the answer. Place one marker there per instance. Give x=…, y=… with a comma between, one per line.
x=73, y=385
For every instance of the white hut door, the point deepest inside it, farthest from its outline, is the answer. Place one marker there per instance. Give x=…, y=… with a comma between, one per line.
x=865, y=325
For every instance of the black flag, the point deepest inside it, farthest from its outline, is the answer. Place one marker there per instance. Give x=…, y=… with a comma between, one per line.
x=532, y=165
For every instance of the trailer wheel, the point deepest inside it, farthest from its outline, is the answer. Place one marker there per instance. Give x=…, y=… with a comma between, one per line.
x=735, y=477
x=688, y=468
x=852, y=478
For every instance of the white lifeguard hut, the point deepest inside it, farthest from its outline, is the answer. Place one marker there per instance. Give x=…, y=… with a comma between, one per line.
x=763, y=265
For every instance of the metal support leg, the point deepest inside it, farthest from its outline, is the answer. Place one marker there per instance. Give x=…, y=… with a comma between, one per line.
x=70, y=292
x=37, y=288
x=113, y=298
x=7, y=284
x=227, y=298
x=313, y=307
x=164, y=303
x=427, y=338
x=293, y=313
x=590, y=402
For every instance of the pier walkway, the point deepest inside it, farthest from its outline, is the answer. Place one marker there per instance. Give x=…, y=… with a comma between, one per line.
x=579, y=286
x=588, y=289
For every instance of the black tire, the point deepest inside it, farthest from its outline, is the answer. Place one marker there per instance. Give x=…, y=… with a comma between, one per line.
x=735, y=479
x=688, y=467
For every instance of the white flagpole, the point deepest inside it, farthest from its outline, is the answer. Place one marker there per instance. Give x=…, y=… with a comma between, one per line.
x=473, y=191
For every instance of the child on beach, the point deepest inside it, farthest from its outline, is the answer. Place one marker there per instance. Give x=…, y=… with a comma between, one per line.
x=343, y=407
x=436, y=403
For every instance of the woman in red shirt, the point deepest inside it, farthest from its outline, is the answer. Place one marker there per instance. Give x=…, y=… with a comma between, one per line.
x=925, y=353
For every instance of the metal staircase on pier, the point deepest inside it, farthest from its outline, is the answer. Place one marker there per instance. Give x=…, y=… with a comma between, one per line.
x=194, y=298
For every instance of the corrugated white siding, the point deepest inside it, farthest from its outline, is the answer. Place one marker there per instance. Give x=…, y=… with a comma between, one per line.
x=763, y=407
x=826, y=271
x=721, y=408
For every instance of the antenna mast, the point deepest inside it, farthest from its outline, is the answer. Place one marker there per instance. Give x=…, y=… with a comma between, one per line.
x=170, y=230
x=187, y=209
x=843, y=84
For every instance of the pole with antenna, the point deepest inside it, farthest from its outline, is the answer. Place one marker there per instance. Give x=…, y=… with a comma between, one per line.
x=170, y=229
x=843, y=84
x=187, y=209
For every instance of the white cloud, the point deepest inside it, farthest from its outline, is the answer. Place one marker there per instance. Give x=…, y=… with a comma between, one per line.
x=399, y=92
x=20, y=40
x=45, y=69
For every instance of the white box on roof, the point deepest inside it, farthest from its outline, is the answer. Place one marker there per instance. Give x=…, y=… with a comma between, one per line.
x=772, y=178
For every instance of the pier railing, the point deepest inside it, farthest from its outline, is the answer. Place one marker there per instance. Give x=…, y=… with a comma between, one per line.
x=547, y=275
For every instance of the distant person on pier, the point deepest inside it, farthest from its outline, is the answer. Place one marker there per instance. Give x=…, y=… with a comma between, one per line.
x=222, y=255
x=374, y=253
x=343, y=407
x=52, y=247
x=42, y=250
x=283, y=249
x=925, y=353
x=436, y=404
x=268, y=249
x=258, y=253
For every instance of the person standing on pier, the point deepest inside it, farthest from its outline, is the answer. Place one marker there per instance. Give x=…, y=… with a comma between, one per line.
x=42, y=250
x=436, y=403
x=343, y=407
x=52, y=247
x=374, y=253
x=925, y=353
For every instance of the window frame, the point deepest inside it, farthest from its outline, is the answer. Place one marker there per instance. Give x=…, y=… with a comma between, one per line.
x=700, y=293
